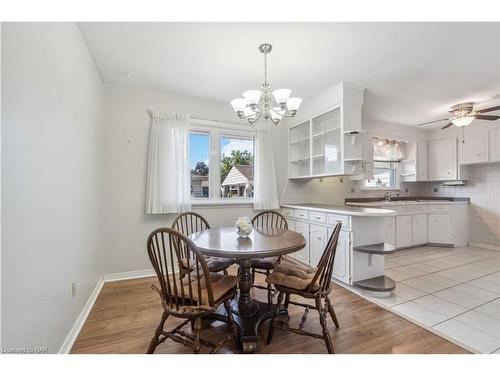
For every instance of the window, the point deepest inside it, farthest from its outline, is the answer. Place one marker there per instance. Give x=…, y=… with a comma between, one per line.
x=384, y=175
x=221, y=159
x=236, y=167
x=199, y=151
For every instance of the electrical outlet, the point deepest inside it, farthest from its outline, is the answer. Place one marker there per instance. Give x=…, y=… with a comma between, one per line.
x=341, y=179
x=435, y=190
x=73, y=288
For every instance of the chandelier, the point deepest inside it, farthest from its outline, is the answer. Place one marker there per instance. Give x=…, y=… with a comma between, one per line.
x=258, y=103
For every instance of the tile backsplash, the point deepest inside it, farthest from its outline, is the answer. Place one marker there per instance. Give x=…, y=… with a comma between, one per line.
x=483, y=189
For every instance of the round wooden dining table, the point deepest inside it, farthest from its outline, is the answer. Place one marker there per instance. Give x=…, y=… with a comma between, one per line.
x=224, y=242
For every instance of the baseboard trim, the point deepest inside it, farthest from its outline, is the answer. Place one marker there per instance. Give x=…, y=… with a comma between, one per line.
x=484, y=246
x=77, y=326
x=129, y=275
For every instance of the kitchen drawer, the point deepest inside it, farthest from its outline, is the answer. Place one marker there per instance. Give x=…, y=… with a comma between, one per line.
x=317, y=217
x=301, y=214
x=441, y=208
x=332, y=219
x=288, y=212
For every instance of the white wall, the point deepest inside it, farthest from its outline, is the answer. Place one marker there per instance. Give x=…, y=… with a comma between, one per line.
x=51, y=169
x=128, y=123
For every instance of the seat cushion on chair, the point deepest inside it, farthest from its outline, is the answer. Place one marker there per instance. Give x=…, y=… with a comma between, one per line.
x=265, y=263
x=214, y=264
x=292, y=275
x=221, y=285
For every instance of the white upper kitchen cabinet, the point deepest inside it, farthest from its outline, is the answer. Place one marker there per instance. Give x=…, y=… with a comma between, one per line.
x=442, y=158
x=414, y=166
x=326, y=140
x=474, y=148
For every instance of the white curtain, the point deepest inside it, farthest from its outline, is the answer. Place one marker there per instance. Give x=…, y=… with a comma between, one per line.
x=265, y=186
x=387, y=150
x=168, y=180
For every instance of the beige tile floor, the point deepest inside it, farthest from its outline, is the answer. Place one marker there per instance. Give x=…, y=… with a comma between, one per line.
x=454, y=292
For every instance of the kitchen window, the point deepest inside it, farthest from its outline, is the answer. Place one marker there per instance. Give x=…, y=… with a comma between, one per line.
x=221, y=159
x=384, y=171
x=384, y=176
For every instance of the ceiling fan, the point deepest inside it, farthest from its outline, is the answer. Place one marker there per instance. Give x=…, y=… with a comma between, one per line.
x=463, y=114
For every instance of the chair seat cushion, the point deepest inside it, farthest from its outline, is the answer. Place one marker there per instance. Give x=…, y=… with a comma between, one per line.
x=221, y=285
x=265, y=263
x=214, y=264
x=292, y=275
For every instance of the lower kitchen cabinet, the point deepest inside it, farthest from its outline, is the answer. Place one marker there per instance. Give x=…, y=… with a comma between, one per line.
x=303, y=254
x=440, y=228
x=341, y=265
x=403, y=231
x=419, y=229
x=318, y=237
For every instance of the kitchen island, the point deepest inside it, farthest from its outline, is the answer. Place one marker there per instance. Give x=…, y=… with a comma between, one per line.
x=359, y=259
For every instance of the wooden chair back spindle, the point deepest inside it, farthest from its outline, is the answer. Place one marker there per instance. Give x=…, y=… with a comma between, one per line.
x=177, y=290
x=188, y=223
x=269, y=219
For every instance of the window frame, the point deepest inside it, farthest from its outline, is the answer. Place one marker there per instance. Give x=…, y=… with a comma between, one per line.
x=397, y=178
x=215, y=131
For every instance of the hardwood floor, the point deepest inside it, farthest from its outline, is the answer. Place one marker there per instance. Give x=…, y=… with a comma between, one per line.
x=126, y=314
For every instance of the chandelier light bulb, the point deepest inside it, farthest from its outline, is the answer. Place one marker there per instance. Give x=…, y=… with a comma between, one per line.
x=239, y=104
x=252, y=97
x=281, y=96
x=293, y=104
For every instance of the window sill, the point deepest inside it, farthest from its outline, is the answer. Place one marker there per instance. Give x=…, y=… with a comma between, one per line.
x=222, y=203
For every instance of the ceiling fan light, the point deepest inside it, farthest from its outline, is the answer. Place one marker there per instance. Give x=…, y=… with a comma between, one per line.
x=293, y=104
x=281, y=96
x=463, y=121
x=252, y=97
x=239, y=104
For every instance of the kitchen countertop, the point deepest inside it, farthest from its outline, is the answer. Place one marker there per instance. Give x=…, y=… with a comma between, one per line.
x=342, y=210
x=404, y=201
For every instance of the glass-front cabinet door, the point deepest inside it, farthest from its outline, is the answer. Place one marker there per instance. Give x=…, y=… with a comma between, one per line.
x=326, y=143
x=300, y=150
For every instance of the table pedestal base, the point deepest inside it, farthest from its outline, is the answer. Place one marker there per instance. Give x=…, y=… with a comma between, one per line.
x=248, y=324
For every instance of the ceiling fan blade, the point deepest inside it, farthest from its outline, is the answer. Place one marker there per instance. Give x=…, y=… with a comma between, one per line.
x=491, y=109
x=486, y=117
x=447, y=125
x=432, y=122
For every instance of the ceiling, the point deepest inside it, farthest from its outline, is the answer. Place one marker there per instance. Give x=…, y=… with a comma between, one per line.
x=412, y=72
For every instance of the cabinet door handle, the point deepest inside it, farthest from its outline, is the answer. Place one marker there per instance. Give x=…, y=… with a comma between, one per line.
x=319, y=238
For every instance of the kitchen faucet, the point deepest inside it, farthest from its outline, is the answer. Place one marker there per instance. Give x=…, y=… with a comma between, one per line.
x=389, y=195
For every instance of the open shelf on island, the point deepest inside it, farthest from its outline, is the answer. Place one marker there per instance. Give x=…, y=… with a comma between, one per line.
x=376, y=284
x=377, y=249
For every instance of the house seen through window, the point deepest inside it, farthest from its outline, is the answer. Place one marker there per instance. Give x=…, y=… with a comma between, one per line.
x=236, y=175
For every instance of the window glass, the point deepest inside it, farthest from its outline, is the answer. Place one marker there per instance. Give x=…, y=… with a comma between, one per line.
x=199, y=151
x=384, y=175
x=236, y=168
